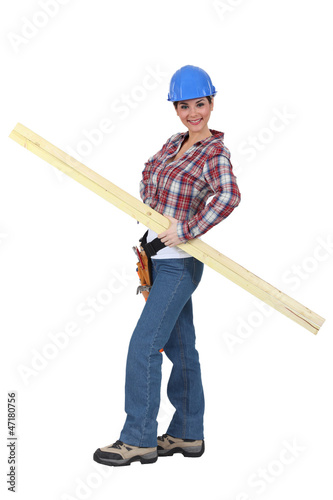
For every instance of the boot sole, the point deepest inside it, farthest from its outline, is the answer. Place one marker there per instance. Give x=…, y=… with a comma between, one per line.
x=150, y=458
x=196, y=452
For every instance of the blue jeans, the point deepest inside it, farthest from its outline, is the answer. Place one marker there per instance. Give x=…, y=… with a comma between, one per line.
x=166, y=323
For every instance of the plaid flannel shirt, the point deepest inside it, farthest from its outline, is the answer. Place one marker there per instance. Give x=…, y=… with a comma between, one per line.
x=181, y=188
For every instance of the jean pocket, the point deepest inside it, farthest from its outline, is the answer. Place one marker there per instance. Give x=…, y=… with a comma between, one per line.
x=197, y=271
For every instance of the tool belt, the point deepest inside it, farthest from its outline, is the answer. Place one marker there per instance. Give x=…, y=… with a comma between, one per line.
x=146, y=252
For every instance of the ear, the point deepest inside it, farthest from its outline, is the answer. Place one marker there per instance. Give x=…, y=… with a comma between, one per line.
x=212, y=104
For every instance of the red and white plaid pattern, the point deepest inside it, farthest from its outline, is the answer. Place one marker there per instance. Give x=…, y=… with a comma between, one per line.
x=181, y=188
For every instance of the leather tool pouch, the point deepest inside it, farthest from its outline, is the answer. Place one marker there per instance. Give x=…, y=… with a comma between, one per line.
x=144, y=272
x=144, y=266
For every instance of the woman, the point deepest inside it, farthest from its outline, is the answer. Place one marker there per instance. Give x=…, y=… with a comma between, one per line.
x=176, y=181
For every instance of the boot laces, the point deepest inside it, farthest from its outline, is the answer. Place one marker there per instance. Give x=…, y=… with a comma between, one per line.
x=118, y=444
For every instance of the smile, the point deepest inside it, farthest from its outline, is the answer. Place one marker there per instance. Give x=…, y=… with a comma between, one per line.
x=196, y=122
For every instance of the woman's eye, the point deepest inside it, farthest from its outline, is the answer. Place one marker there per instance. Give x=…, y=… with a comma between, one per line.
x=184, y=106
x=201, y=104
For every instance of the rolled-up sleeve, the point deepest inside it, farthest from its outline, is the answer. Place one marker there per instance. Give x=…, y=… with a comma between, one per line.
x=219, y=176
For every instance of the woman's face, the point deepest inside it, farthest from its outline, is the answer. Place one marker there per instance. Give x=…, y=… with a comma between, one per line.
x=195, y=113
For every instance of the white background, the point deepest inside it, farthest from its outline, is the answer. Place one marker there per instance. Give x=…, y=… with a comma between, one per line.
x=67, y=66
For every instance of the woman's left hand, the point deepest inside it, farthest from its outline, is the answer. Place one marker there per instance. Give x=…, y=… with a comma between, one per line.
x=170, y=237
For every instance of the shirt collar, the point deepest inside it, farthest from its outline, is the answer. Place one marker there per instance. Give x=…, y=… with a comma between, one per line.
x=215, y=135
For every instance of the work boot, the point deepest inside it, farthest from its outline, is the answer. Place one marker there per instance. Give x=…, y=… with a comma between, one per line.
x=168, y=445
x=119, y=453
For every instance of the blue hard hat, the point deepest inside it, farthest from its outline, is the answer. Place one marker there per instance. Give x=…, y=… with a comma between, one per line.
x=190, y=82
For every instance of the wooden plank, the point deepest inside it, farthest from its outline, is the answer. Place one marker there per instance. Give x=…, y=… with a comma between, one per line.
x=158, y=223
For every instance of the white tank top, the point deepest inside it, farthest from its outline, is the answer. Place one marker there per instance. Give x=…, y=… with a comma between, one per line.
x=167, y=252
